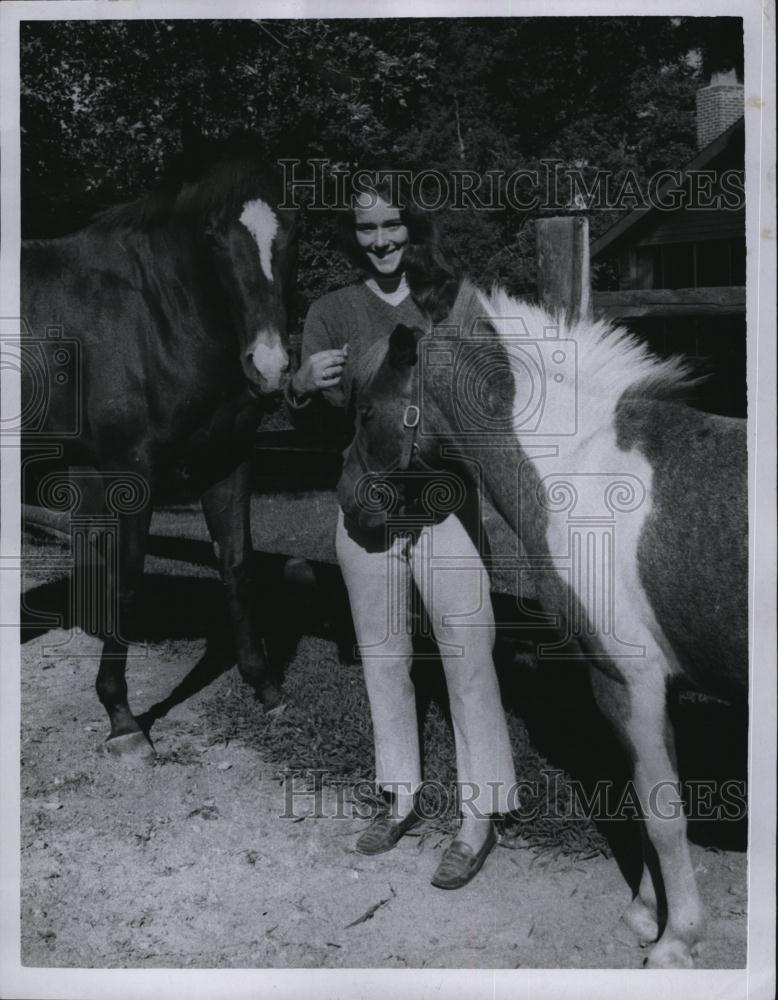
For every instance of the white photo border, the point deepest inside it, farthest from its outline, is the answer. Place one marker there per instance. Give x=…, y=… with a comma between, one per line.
x=757, y=979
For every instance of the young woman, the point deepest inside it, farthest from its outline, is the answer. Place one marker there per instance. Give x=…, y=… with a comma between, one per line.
x=406, y=280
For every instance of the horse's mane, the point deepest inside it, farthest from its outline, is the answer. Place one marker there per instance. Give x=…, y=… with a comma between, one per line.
x=611, y=361
x=205, y=175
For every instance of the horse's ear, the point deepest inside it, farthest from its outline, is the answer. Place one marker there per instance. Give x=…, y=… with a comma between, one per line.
x=402, y=346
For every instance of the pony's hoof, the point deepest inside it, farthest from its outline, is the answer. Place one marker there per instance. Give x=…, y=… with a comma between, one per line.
x=132, y=748
x=641, y=920
x=671, y=955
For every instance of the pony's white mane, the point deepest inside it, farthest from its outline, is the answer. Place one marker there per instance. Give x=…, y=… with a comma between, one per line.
x=610, y=361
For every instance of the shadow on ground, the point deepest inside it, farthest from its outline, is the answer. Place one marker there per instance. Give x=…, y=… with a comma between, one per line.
x=552, y=698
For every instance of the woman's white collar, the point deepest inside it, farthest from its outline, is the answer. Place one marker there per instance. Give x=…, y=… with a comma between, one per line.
x=393, y=298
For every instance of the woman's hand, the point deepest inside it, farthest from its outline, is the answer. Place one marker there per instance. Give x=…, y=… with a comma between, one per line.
x=319, y=371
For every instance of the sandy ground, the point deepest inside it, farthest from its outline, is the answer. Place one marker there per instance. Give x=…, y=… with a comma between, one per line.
x=190, y=862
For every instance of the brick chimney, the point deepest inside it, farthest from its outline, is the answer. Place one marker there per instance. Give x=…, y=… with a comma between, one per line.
x=719, y=105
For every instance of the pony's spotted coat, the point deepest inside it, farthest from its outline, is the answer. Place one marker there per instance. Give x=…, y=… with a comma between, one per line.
x=598, y=493
x=632, y=509
x=594, y=520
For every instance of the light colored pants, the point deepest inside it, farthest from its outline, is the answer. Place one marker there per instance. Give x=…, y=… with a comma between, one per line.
x=454, y=586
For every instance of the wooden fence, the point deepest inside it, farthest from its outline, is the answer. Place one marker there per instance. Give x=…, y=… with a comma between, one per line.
x=564, y=282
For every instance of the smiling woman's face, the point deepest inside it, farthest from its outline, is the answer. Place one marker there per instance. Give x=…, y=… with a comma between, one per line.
x=381, y=233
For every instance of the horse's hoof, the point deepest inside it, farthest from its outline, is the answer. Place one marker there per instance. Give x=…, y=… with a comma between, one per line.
x=271, y=697
x=671, y=955
x=146, y=720
x=641, y=920
x=132, y=748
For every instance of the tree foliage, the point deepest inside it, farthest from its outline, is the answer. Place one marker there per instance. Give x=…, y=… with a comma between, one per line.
x=106, y=103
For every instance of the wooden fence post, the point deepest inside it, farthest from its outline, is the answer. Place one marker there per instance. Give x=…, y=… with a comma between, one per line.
x=563, y=265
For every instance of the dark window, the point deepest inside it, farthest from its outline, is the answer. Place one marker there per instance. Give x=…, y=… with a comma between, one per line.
x=713, y=263
x=737, y=249
x=705, y=264
x=648, y=264
x=716, y=349
x=677, y=266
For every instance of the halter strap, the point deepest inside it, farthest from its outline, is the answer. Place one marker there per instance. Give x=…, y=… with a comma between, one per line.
x=410, y=424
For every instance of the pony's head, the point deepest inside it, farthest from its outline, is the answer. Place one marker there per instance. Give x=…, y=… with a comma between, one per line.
x=381, y=386
x=389, y=458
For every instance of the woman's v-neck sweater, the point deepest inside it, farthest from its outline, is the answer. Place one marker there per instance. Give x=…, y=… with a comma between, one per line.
x=357, y=316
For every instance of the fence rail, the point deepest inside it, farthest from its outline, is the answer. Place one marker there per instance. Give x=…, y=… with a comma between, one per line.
x=564, y=282
x=665, y=302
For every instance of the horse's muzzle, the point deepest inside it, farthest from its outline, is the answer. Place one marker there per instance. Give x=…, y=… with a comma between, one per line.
x=259, y=386
x=266, y=364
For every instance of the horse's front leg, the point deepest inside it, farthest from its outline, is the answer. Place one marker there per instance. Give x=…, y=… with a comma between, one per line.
x=123, y=556
x=638, y=711
x=227, y=509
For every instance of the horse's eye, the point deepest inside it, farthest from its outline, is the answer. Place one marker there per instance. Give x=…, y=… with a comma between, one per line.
x=366, y=412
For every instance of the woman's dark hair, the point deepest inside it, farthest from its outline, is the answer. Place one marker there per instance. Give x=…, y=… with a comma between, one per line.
x=433, y=283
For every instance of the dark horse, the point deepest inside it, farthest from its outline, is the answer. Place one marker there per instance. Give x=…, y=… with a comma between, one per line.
x=632, y=509
x=154, y=336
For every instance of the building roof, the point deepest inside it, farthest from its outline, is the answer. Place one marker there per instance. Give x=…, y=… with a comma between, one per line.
x=706, y=156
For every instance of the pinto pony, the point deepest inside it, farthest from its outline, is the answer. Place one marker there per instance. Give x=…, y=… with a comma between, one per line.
x=152, y=337
x=632, y=510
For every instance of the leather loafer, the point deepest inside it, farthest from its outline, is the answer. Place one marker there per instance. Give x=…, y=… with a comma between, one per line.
x=384, y=832
x=460, y=862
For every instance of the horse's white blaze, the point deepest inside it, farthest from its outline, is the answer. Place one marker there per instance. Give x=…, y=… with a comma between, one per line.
x=261, y=221
x=269, y=357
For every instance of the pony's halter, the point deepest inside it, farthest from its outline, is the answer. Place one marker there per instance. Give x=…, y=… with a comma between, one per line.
x=411, y=417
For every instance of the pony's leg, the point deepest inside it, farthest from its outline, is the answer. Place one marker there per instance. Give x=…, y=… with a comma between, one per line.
x=227, y=508
x=642, y=915
x=638, y=711
x=125, y=572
